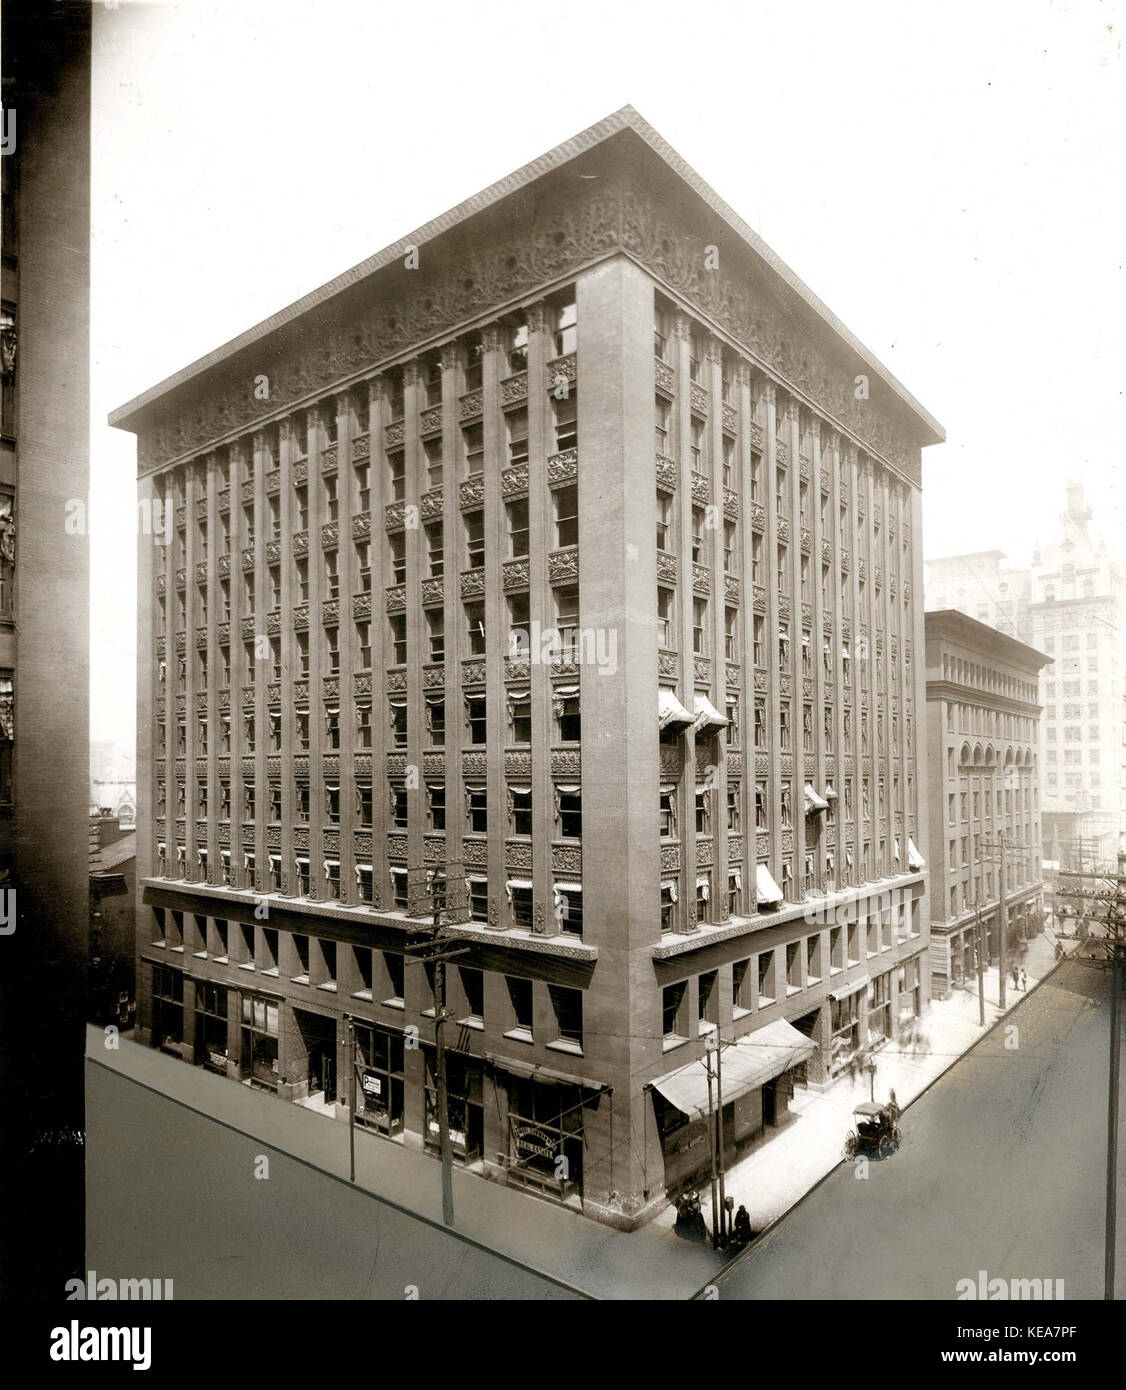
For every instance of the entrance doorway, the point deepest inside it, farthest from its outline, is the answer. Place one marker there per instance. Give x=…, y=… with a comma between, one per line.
x=317, y=1035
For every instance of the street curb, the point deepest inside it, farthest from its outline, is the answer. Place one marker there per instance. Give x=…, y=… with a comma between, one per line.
x=726, y=1269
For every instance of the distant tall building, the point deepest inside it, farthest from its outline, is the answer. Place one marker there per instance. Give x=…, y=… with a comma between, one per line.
x=44, y=638
x=984, y=787
x=575, y=569
x=1069, y=603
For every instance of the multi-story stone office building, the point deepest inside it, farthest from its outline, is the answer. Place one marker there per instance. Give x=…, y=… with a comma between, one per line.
x=442, y=608
x=983, y=776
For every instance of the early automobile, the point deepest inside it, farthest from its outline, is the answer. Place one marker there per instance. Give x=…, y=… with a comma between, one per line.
x=876, y=1131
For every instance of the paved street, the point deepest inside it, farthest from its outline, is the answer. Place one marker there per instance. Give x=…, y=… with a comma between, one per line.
x=1002, y=1169
x=175, y=1195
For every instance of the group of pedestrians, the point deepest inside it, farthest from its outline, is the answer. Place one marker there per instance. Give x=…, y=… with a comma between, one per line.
x=690, y=1224
x=1019, y=978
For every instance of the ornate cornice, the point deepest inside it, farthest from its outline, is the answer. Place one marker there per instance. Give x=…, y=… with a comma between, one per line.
x=619, y=214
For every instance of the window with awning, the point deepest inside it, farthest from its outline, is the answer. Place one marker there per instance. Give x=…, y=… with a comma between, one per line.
x=707, y=716
x=854, y=988
x=767, y=892
x=752, y=1061
x=814, y=803
x=671, y=714
x=914, y=859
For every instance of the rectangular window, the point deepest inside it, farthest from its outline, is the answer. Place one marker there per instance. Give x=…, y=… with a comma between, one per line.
x=668, y=906
x=568, y=717
x=398, y=545
x=520, y=1000
x=475, y=539
x=476, y=719
x=520, y=816
x=396, y=476
x=699, y=626
x=664, y=520
x=473, y=444
x=436, y=721
x=398, y=625
x=517, y=513
x=668, y=813
x=516, y=431
x=475, y=628
x=432, y=450
x=570, y=817
x=565, y=422
x=567, y=1006
x=477, y=806
x=566, y=329
x=673, y=1003
x=566, y=502
x=661, y=419
x=698, y=445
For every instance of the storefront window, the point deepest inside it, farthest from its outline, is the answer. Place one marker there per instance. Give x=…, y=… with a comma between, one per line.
x=167, y=1007
x=259, y=1061
x=379, y=1078
x=545, y=1134
x=211, y=1026
x=464, y=1106
x=846, y=1029
x=879, y=1007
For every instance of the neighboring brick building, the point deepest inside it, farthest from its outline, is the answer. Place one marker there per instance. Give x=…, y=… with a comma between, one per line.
x=983, y=774
x=345, y=681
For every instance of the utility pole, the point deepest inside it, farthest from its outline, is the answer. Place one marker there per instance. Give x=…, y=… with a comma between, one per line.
x=979, y=951
x=440, y=1078
x=719, y=1140
x=1003, y=917
x=1108, y=951
x=712, y=1137
x=432, y=952
x=1112, y=1112
x=350, y=1062
x=998, y=853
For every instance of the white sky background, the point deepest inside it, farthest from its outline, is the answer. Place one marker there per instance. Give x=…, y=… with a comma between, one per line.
x=947, y=177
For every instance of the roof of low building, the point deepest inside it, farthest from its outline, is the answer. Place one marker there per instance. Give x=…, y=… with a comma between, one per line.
x=957, y=626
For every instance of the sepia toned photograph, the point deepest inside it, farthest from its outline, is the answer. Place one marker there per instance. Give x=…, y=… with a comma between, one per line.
x=545, y=754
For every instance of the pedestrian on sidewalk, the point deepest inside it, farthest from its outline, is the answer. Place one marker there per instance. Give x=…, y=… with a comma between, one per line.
x=1023, y=979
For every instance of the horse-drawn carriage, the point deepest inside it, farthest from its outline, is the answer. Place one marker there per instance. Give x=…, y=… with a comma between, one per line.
x=876, y=1131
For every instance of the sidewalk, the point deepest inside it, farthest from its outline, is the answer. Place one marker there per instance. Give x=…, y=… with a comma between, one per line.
x=652, y=1262
x=773, y=1177
x=551, y=1240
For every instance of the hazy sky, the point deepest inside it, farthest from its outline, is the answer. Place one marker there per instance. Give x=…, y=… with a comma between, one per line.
x=946, y=177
